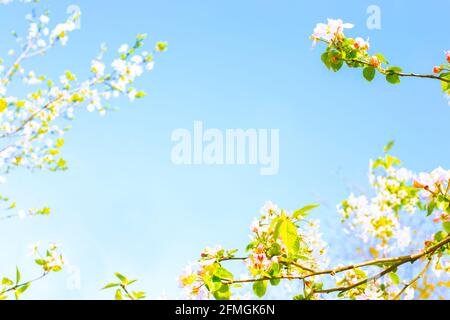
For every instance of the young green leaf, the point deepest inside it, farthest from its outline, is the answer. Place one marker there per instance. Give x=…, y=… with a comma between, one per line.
x=304, y=211
x=369, y=73
x=21, y=290
x=118, y=295
x=393, y=78
x=110, y=285
x=394, y=278
x=446, y=226
x=122, y=278
x=223, y=293
x=7, y=282
x=259, y=288
x=289, y=236
x=17, y=275
x=430, y=208
x=388, y=146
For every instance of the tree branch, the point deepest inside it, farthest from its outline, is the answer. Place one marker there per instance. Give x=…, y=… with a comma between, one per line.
x=420, y=275
x=396, y=262
x=400, y=74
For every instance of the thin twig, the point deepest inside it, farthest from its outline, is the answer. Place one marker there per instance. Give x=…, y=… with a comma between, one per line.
x=396, y=262
x=420, y=275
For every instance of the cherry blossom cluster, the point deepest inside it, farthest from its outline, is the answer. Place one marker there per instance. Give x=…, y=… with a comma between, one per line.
x=32, y=127
x=269, y=247
x=286, y=245
x=340, y=48
x=379, y=216
x=282, y=245
x=400, y=193
x=397, y=192
x=49, y=261
x=29, y=126
x=354, y=52
x=443, y=71
x=203, y=279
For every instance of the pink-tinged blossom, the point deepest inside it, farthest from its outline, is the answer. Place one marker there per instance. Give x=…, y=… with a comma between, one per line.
x=440, y=175
x=362, y=44
x=269, y=210
x=331, y=30
x=431, y=182
x=441, y=217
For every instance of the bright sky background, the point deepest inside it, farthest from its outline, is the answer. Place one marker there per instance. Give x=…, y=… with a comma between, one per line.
x=123, y=206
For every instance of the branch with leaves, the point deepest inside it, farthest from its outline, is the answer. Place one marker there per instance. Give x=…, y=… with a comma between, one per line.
x=122, y=288
x=50, y=262
x=32, y=126
x=287, y=246
x=354, y=52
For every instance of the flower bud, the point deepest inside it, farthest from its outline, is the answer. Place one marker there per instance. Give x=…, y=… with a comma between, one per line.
x=374, y=61
x=436, y=70
x=418, y=185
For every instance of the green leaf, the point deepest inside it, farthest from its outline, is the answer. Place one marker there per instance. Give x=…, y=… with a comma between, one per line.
x=138, y=295
x=274, y=250
x=289, y=235
x=393, y=78
x=277, y=222
x=259, y=288
x=445, y=85
x=3, y=105
x=70, y=76
x=304, y=211
x=131, y=282
x=110, y=285
x=140, y=94
x=430, y=208
x=40, y=262
x=360, y=273
x=325, y=59
x=390, y=160
x=44, y=211
x=223, y=293
x=223, y=273
x=7, y=282
x=394, y=69
x=394, y=278
x=275, y=282
x=381, y=58
x=388, y=146
x=21, y=290
x=369, y=73
x=122, y=278
x=118, y=295
x=17, y=275
x=446, y=226
x=161, y=46
x=439, y=236
x=214, y=283
x=275, y=268
x=337, y=66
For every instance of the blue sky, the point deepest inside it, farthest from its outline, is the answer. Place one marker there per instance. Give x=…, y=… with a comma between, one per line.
x=123, y=205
